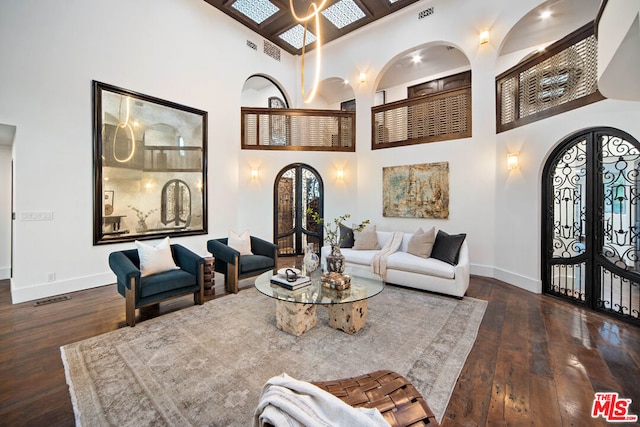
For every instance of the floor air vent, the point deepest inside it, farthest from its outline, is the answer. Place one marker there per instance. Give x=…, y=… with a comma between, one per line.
x=51, y=300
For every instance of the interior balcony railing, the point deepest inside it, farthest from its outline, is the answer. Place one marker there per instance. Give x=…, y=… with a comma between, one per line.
x=436, y=117
x=560, y=78
x=298, y=129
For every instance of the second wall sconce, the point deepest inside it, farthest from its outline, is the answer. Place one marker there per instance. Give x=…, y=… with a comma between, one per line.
x=254, y=174
x=340, y=175
x=363, y=77
x=484, y=37
x=512, y=161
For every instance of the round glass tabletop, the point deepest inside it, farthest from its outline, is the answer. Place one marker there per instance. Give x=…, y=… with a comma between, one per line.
x=364, y=285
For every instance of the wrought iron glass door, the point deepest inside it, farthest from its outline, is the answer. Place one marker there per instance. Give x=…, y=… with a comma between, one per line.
x=298, y=187
x=591, y=222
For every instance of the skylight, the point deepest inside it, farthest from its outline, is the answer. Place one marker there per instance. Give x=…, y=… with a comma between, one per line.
x=343, y=13
x=256, y=10
x=294, y=36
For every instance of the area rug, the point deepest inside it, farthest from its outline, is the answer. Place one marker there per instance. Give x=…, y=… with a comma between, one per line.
x=206, y=365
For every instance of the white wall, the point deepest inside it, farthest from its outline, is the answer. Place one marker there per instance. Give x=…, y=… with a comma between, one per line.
x=519, y=193
x=52, y=50
x=5, y=212
x=184, y=51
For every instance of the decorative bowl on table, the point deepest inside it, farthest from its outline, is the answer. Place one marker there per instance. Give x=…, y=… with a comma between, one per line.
x=283, y=271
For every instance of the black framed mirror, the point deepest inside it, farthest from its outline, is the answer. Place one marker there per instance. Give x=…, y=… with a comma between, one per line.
x=150, y=167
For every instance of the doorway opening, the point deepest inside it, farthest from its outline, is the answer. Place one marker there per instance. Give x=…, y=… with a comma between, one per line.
x=298, y=189
x=591, y=222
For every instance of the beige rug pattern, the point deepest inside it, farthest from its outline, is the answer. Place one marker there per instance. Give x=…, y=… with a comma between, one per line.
x=206, y=365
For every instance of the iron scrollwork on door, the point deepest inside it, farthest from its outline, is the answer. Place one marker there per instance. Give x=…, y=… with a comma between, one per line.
x=176, y=203
x=591, y=222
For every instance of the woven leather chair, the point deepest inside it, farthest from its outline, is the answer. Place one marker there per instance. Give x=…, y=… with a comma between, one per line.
x=143, y=291
x=235, y=266
x=395, y=397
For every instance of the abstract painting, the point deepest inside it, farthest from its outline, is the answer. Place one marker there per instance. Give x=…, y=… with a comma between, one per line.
x=416, y=191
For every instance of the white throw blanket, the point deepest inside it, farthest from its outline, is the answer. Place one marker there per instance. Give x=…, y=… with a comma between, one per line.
x=379, y=261
x=286, y=401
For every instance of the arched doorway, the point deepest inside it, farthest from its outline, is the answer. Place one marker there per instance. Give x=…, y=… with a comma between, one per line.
x=591, y=222
x=297, y=187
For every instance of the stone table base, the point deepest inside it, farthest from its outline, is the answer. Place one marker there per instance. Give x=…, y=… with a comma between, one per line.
x=295, y=318
x=348, y=317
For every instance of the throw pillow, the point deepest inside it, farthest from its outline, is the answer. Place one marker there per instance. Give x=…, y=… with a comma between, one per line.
x=240, y=242
x=421, y=243
x=447, y=247
x=155, y=259
x=367, y=239
x=346, y=237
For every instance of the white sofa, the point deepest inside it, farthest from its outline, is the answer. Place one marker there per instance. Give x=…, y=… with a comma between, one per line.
x=405, y=269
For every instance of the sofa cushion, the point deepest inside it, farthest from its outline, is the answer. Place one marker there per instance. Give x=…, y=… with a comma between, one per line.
x=165, y=282
x=432, y=267
x=366, y=239
x=363, y=257
x=240, y=242
x=346, y=236
x=447, y=247
x=421, y=243
x=250, y=263
x=155, y=259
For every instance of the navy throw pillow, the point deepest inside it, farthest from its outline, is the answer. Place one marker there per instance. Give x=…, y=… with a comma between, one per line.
x=346, y=237
x=447, y=247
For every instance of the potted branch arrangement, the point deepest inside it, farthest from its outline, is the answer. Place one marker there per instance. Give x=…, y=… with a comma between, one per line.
x=335, y=260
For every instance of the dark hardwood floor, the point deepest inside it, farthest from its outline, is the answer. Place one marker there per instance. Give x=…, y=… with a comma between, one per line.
x=537, y=360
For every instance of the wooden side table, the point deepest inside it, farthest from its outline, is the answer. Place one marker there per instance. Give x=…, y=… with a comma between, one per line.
x=209, y=275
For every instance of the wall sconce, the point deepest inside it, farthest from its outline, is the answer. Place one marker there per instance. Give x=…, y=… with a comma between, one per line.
x=340, y=175
x=484, y=37
x=363, y=77
x=512, y=161
x=254, y=174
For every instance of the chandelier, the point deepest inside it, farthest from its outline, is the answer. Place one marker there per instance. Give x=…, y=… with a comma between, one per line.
x=313, y=12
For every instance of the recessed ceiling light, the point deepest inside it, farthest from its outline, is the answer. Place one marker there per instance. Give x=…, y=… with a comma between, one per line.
x=343, y=13
x=545, y=14
x=416, y=59
x=294, y=36
x=346, y=82
x=256, y=10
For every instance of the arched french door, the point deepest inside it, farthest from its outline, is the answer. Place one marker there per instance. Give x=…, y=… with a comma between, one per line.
x=591, y=222
x=297, y=187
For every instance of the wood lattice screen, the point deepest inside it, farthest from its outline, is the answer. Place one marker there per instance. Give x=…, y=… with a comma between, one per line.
x=561, y=78
x=442, y=116
x=298, y=129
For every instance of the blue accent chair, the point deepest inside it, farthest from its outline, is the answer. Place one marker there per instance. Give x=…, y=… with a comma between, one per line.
x=143, y=291
x=234, y=266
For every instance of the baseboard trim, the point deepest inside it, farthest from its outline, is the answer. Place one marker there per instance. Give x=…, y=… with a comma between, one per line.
x=5, y=273
x=59, y=287
x=515, y=279
x=526, y=283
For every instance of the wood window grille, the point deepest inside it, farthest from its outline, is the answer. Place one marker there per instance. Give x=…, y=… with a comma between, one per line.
x=435, y=117
x=298, y=129
x=559, y=79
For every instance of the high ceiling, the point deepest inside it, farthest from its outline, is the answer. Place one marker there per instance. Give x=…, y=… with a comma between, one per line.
x=273, y=20
x=530, y=32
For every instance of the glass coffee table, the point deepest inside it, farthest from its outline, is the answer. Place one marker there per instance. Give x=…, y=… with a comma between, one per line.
x=296, y=309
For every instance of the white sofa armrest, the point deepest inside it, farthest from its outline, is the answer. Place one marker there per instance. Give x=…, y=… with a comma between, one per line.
x=462, y=269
